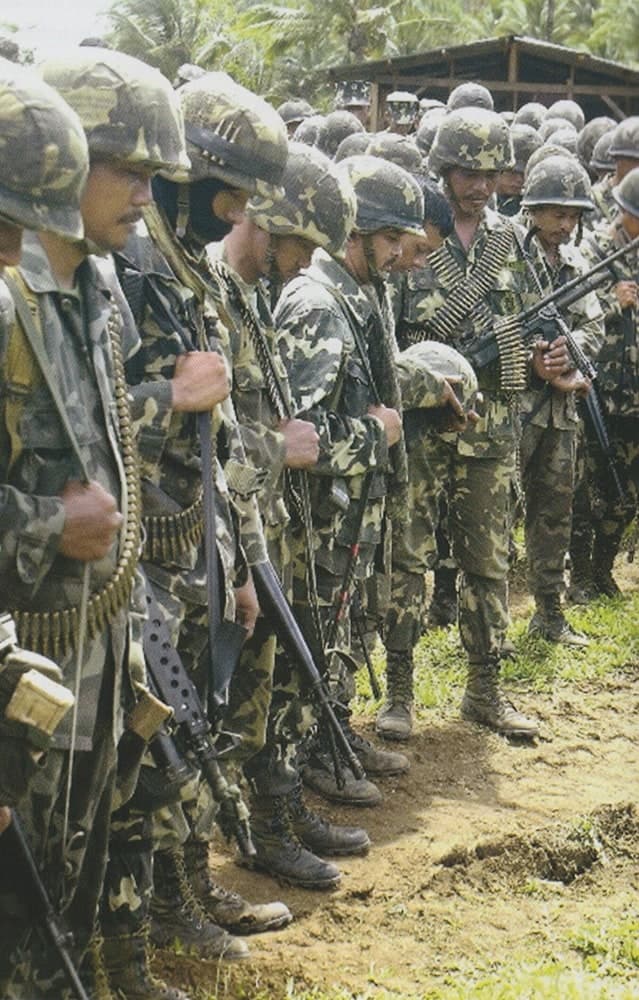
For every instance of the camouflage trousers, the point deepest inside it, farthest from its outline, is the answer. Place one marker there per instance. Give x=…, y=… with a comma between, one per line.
x=611, y=515
x=548, y=471
x=478, y=491
x=29, y=969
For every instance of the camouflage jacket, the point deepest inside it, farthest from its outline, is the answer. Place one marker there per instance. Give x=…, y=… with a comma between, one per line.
x=33, y=575
x=584, y=319
x=618, y=358
x=331, y=386
x=172, y=318
x=605, y=205
x=256, y=413
x=513, y=290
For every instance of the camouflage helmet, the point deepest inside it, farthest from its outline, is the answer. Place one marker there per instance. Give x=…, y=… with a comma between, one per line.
x=525, y=141
x=352, y=94
x=470, y=95
x=550, y=125
x=473, y=139
x=569, y=109
x=542, y=154
x=427, y=129
x=398, y=149
x=590, y=134
x=530, y=113
x=309, y=131
x=626, y=194
x=429, y=358
x=352, y=145
x=601, y=158
x=233, y=134
x=387, y=196
x=318, y=203
x=428, y=103
x=558, y=180
x=43, y=155
x=566, y=138
x=402, y=106
x=337, y=126
x=625, y=139
x=129, y=111
x=294, y=112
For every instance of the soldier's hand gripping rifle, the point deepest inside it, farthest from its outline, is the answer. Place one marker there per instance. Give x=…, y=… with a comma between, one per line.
x=545, y=319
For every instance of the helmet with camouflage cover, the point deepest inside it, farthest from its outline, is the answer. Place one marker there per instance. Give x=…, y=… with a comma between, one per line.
x=129, y=111
x=526, y=140
x=625, y=139
x=428, y=103
x=429, y=123
x=387, y=196
x=558, y=180
x=601, y=158
x=566, y=138
x=318, y=203
x=295, y=111
x=626, y=194
x=542, y=154
x=398, y=149
x=554, y=124
x=590, y=133
x=233, y=134
x=473, y=139
x=566, y=108
x=337, y=126
x=530, y=113
x=309, y=131
x=429, y=357
x=352, y=145
x=402, y=107
x=43, y=155
x=470, y=95
x=352, y=94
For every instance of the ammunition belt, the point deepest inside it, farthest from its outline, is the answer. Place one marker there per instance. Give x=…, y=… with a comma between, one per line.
x=168, y=536
x=513, y=357
x=56, y=633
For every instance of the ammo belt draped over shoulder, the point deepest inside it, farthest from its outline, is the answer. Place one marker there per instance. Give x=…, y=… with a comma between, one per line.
x=56, y=633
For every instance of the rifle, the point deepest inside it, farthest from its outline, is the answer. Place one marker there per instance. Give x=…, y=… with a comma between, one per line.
x=189, y=727
x=275, y=606
x=42, y=905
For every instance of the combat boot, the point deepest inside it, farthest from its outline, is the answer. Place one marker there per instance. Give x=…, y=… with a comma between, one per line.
x=318, y=772
x=443, y=605
x=226, y=908
x=320, y=836
x=603, y=557
x=380, y=763
x=582, y=586
x=178, y=918
x=395, y=718
x=93, y=973
x=126, y=961
x=278, y=850
x=549, y=623
x=484, y=703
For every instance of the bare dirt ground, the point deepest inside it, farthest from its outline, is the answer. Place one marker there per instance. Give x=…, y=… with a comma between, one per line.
x=485, y=853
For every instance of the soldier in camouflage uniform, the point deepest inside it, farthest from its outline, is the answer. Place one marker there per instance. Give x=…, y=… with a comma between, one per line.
x=482, y=265
x=510, y=183
x=354, y=96
x=182, y=325
x=402, y=112
x=470, y=95
x=335, y=336
x=556, y=194
x=293, y=113
x=618, y=384
x=72, y=529
x=624, y=150
x=275, y=240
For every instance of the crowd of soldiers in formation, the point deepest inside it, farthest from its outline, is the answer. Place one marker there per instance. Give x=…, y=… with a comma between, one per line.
x=252, y=378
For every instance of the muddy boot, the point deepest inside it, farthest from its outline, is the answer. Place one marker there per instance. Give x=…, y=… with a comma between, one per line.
x=320, y=836
x=318, y=772
x=178, y=918
x=549, y=623
x=582, y=586
x=395, y=718
x=226, y=908
x=93, y=973
x=381, y=763
x=280, y=853
x=443, y=604
x=603, y=557
x=484, y=703
x=126, y=960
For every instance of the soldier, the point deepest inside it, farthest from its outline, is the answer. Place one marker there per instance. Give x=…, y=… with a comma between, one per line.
x=483, y=266
x=399, y=149
x=568, y=109
x=354, y=96
x=525, y=141
x=71, y=503
x=532, y=113
x=335, y=336
x=337, y=126
x=556, y=195
x=624, y=150
x=618, y=383
x=293, y=113
x=402, y=112
x=275, y=240
x=589, y=136
x=237, y=146
x=470, y=95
